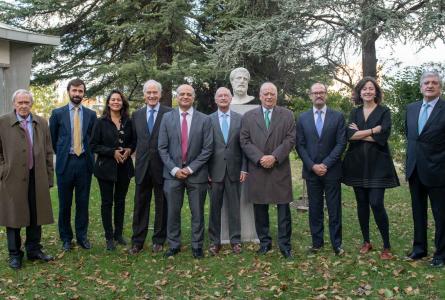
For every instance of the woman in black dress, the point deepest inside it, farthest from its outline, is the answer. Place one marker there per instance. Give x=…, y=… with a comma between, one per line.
x=368, y=165
x=112, y=141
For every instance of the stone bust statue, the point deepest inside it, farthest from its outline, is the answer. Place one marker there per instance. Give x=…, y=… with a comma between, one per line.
x=239, y=79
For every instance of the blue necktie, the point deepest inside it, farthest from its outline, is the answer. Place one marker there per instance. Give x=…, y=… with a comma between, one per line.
x=151, y=120
x=225, y=127
x=423, y=117
x=319, y=122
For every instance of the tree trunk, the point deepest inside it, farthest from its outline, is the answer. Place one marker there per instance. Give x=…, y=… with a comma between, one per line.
x=369, y=55
x=164, y=59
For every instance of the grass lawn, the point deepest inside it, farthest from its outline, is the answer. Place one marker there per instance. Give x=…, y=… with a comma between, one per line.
x=99, y=274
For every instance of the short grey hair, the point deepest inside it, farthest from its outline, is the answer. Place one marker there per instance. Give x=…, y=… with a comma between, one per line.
x=239, y=70
x=430, y=73
x=157, y=84
x=181, y=85
x=22, y=92
x=268, y=83
x=223, y=88
x=320, y=83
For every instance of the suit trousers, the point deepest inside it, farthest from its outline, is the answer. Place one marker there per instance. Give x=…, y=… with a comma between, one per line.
x=316, y=188
x=261, y=212
x=419, y=199
x=231, y=191
x=75, y=178
x=174, y=192
x=116, y=192
x=141, y=213
x=33, y=231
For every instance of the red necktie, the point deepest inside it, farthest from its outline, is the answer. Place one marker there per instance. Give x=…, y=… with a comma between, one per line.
x=184, y=137
x=24, y=124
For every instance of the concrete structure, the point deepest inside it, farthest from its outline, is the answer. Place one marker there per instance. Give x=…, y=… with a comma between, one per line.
x=16, y=47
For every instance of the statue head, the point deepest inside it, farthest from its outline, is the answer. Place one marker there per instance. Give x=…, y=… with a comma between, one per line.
x=239, y=79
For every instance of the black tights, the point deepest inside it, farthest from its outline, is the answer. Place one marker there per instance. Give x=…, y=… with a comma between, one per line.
x=373, y=197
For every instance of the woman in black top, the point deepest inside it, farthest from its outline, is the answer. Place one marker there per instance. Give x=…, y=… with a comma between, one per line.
x=112, y=141
x=368, y=166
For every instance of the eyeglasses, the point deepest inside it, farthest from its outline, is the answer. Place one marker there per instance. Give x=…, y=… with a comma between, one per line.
x=318, y=93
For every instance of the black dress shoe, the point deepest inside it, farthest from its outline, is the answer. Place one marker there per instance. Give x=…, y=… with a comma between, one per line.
x=40, y=256
x=85, y=244
x=135, y=249
x=287, y=254
x=15, y=262
x=197, y=253
x=314, y=250
x=339, y=251
x=172, y=252
x=121, y=241
x=415, y=256
x=110, y=245
x=437, y=262
x=264, y=249
x=67, y=246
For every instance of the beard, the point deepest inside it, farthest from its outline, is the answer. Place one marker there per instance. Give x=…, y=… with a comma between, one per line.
x=76, y=100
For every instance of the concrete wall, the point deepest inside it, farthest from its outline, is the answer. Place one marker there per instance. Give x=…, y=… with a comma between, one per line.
x=17, y=76
x=4, y=53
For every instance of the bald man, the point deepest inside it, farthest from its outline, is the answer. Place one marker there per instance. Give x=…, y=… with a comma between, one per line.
x=227, y=168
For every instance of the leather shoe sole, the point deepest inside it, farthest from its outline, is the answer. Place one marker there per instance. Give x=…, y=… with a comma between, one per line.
x=415, y=256
x=172, y=252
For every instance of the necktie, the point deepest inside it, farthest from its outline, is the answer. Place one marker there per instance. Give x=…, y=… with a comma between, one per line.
x=151, y=120
x=423, y=117
x=24, y=125
x=184, y=137
x=319, y=122
x=266, y=118
x=77, y=135
x=225, y=128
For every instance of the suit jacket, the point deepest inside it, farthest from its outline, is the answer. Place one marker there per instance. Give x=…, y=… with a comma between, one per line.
x=272, y=185
x=14, y=172
x=426, y=151
x=147, y=154
x=60, y=127
x=199, y=150
x=104, y=141
x=228, y=156
x=326, y=149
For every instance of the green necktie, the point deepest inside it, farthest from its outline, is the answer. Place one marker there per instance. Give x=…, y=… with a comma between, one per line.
x=266, y=118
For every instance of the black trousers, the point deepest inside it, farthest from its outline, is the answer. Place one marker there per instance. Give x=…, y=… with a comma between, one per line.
x=141, y=213
x=419, y=199
x=114, y=192
x=373, y=197
x=261, y=212
x=332, y=189
x=33, y=231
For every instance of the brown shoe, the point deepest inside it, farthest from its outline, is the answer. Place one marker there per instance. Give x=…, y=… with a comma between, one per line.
x=365, y=248
x=135, y=250
x=236, y=248
x=214, y=249
x=386, y=254
x=156, y=248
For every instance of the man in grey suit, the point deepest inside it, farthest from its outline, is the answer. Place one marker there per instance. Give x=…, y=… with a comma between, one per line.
x=185, y=146
x=148, y=172
x=321, y=139
x=227, y=169
x=267, y=137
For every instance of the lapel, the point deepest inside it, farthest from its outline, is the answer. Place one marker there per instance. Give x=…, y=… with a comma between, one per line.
x=142, y=118
x=158, y=118
x=177, y=120
x=85, y=122
x=437, y=110
x=312, y=121
x=66, y=119
x=259, y=118
x=327, y=118
x=274, y=121
x=193, y=124
x=234, y=123
x=215, y=121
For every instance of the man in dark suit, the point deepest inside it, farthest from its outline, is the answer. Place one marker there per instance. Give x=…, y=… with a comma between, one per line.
x=267, y=137
x=425, y=165
x=26, y=174
x=148, y=171
x=71, y=126
x=321, y=139
x=185, y=146
x=227, y=168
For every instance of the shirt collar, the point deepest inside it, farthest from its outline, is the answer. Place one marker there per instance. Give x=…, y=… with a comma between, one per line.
x=323, y=109
x=20, y=119
x=269, y=109
x=71, y=106
x=220, y=113
x=156, y=108
x=432, y=103
x=189, y=111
